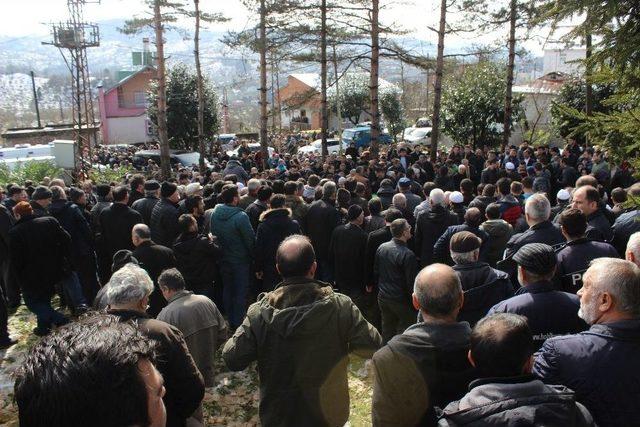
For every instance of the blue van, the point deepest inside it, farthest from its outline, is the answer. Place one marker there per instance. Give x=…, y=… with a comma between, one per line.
x=361, y=135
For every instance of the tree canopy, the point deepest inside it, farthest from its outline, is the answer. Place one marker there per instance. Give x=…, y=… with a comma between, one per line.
x=473, y=105
x=182, y=108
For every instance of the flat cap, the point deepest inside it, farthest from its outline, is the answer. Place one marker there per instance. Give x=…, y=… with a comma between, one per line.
x=41, y=193
x=537, y=258
x=151, y=185
x=464, y=241
x=404, y=182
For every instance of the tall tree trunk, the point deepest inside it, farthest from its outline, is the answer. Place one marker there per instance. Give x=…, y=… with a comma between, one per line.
x=324, y=112
x=165, y=161
x=373, y=77
x=508, y=99
x=263, y=85
x=437, y=89
x=338, y=106
x=199, y=87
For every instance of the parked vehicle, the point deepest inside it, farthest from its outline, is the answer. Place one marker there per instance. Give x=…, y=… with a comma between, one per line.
x=362, y=136
x=185, y=158
x=254, y=147
x=417, y=136
x=333, y=146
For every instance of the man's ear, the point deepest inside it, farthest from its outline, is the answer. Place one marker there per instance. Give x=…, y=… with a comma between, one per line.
x=414, y=299
x=312, y=270
x=528, y=365
x=470, y=359
x=278, y=269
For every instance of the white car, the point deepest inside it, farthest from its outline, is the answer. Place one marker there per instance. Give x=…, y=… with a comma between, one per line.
x=333, y=147
x=417, y=136
x=254, y=147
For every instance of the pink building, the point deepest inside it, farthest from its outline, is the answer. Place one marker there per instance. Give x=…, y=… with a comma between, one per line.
x=123, y=116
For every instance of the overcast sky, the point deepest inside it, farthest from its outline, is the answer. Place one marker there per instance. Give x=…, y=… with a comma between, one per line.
x=27, y=17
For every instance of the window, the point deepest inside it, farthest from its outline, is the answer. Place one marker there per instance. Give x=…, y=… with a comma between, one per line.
x=139, y=99
x=120, y=97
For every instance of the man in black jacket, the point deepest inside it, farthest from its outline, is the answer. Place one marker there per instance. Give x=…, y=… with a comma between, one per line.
x=483, y=286
x=116, y=223
x=128, y=294
x=39, y=249
x=137, y=186
x=426, y=366
x=549, y=312
x=346, y=252
x=472, y=220
x=145, y=205
x=507, y=393
x=574, y=258
x=537, y=210
x=260, y=205
x=154, y=259
x=374, y=240
x=83, y=256
x=164, y=217
x=276, y=224
x=322, y=218
x=395, y=269
x=587, y=200
x=196, y=256
x=431, y=225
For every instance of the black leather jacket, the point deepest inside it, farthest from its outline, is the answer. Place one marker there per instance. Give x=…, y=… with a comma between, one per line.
x=394, y=270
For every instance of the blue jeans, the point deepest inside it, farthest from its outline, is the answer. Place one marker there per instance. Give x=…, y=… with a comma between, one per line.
x=235, y=279
x=40, y=305
x=73, y=290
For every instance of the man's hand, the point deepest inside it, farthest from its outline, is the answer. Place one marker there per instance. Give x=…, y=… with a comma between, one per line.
x=259, y=275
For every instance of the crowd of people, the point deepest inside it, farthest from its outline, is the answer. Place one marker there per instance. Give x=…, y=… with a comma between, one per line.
x=487, y=287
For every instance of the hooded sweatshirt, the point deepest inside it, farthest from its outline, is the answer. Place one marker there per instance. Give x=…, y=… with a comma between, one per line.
x=235, y=234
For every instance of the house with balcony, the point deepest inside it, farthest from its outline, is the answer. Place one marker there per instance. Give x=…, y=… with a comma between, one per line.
x=123, y=112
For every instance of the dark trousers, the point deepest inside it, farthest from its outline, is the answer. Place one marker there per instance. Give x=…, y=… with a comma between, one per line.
x=396, y=317
x=4, y=317
x=86, y=269
x=236, y=285
x=324, y=272
x=40, y=305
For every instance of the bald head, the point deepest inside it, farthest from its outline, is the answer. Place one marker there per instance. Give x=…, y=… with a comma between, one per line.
x=437, y=292
x=399, y=201
x=140, y=233
x=295, y=257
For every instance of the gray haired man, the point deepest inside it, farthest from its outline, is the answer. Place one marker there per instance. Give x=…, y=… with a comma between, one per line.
x=127, y=295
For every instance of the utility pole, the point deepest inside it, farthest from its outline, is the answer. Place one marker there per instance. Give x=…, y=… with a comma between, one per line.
x=437, y=87
x=35, y=98
x=508, y=101
x=76, y=36
x=199, y=87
